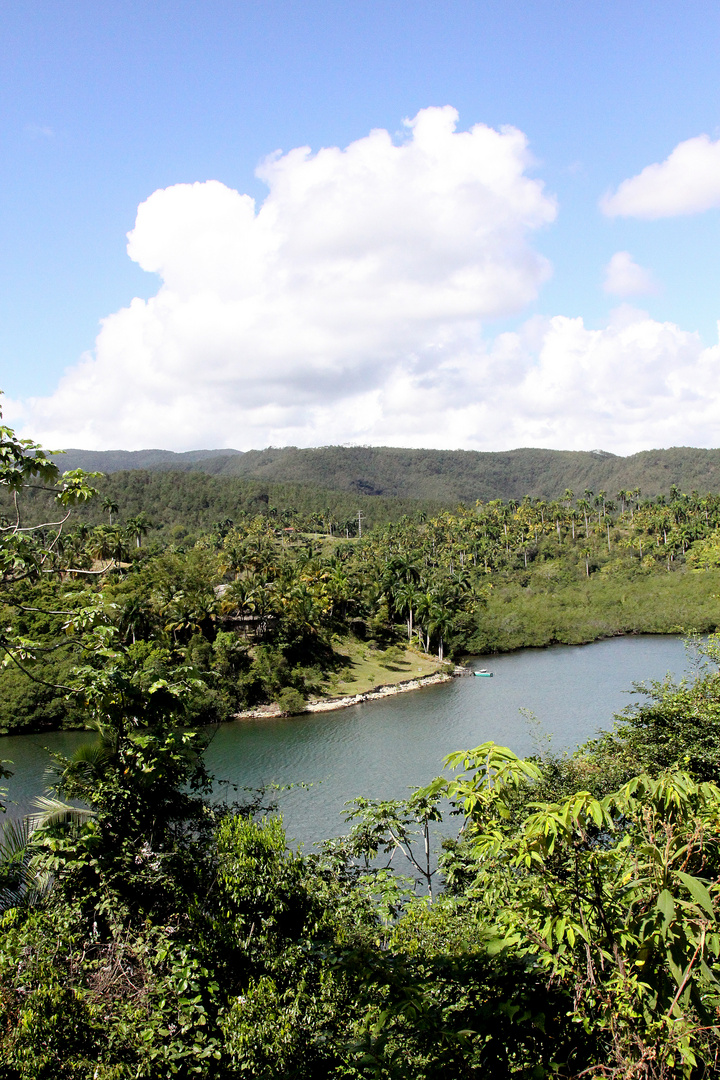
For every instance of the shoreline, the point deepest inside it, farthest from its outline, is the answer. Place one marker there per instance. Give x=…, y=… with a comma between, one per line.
x=317, y=705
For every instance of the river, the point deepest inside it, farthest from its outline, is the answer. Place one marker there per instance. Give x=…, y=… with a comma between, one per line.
x=382, y=748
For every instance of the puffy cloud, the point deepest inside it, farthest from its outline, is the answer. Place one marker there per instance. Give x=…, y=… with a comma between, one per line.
x=349, y=307
x=687, y=182
x=359, y=263
x=634, y=384
x=623, y=276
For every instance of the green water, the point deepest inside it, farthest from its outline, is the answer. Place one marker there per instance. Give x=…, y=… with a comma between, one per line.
x=380, y=749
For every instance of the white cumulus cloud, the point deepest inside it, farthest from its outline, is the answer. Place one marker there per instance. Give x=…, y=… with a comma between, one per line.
x=687, y=182
x=623, y=276
x=351, y=307
x=634, y=384
x=360, y=262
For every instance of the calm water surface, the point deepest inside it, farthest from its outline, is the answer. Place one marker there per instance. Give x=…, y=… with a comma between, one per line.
x=380, y=749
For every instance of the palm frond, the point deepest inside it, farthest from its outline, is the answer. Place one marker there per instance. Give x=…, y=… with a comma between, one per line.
x=14, y=837
x=51, y=812
x=17, y=880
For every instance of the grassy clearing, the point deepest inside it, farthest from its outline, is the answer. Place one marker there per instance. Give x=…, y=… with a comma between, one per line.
x=368, y=667
x=542, y=613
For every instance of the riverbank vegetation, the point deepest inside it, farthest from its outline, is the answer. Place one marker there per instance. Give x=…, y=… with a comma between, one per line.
x=570, y=928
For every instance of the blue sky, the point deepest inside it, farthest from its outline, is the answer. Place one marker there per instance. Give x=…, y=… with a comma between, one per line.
x=104, y=105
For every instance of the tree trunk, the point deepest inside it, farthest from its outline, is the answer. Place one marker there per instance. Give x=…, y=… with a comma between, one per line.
x=428, y=875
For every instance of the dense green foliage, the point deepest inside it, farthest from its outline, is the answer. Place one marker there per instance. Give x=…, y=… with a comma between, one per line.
x=540, y=611
x=158, y=935
x=261, y=605
x=443, y=475
x=570, y=927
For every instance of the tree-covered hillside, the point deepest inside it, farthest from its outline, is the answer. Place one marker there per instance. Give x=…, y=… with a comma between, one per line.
x=178, y=504
x=445, y=475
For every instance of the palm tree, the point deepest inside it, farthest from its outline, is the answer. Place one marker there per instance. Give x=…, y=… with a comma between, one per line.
x=440, y=622
x=118, y=551
x=233, y=556
x=424, y=608
x=585, y=506
x=404, y=596
x=586, y=553
x=135, y=619
x=111, y=506
x=138, y=527
x=101, y=543
x=634, y=495
x=81, y=531
x=338, y=589
x=399, y=583
x=189, y=614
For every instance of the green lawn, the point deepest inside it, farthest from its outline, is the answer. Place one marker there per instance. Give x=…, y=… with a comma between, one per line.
x=368, y=667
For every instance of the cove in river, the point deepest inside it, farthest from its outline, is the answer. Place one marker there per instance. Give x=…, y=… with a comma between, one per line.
x=382, y=748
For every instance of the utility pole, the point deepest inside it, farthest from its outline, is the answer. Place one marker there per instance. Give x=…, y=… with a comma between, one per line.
x=360, y=517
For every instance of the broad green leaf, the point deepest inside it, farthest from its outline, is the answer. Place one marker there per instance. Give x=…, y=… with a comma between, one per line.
x=666, y=905
x=698, y=891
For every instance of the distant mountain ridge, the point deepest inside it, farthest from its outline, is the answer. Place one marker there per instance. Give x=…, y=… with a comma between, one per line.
x=109, y=461
x=462, y=475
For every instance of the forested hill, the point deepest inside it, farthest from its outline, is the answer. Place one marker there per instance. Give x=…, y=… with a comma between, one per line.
x=462, y=475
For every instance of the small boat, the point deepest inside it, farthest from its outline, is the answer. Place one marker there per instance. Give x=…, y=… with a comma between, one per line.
x=483, y=674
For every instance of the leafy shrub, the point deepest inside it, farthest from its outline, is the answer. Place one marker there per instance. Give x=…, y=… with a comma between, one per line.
x=291, y=701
